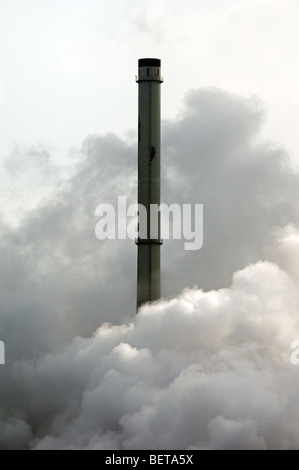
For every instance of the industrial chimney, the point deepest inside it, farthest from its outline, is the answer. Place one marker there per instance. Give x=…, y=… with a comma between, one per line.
x=149, y=123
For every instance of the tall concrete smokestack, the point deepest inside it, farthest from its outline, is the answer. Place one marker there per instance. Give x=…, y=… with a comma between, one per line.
x=149, y=137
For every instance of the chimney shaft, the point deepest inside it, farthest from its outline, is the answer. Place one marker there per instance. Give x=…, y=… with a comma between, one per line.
x=149, y=123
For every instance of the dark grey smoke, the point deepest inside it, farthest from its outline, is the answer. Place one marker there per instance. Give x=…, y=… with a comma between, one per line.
x=213, y=155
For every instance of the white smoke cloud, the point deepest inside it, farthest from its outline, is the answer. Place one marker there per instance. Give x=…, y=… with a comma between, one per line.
x=208, y=368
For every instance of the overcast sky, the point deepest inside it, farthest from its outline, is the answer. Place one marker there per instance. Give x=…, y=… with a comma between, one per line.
x=68, y=66
x=208, y=366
